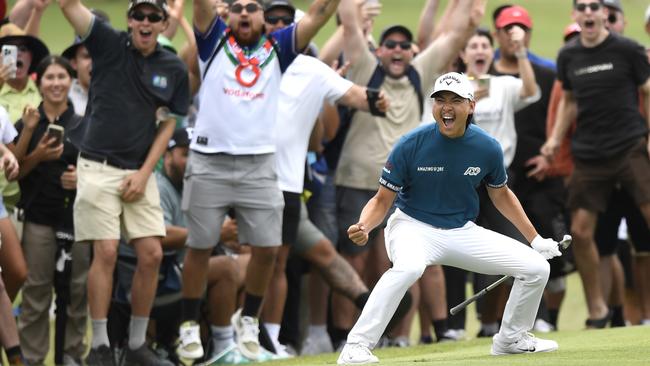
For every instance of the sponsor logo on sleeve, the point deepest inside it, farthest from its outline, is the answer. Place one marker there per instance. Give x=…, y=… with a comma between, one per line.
x=388, y=167
x=389, y=185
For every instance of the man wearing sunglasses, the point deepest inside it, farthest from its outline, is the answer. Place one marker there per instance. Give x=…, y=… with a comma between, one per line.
x=616, y=18
x=232, y=161
x=278, y=14
x=602, y=75
x=120, y=141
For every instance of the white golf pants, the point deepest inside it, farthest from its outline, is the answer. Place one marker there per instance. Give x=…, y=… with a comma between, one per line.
x=413, y=245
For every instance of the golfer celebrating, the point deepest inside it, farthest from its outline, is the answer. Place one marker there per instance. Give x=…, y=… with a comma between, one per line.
x=434, y=172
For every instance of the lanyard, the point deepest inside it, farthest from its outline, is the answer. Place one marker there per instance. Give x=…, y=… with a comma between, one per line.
x=252, y=63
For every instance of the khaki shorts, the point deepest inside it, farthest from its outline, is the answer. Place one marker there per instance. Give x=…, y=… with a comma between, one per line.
x=592, y=182
x=100, y=213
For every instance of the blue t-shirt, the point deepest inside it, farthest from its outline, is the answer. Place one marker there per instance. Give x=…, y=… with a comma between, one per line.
x=436, y=177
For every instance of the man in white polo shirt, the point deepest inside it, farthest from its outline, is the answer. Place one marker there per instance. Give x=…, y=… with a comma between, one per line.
x=232, y=163
x=305, y=86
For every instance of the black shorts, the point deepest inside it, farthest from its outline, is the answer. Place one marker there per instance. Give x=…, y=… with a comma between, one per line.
x=290, y=217
x=592, y=182
x=621, y=205
x=349, y=203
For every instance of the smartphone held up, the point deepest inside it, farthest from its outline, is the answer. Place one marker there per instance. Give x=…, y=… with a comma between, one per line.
x=56, y=132
x=10, y=58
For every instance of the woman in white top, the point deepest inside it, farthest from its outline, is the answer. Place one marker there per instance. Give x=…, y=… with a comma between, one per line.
x=499, y=97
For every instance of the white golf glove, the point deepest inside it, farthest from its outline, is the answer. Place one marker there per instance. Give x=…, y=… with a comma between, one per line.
x=548, y=248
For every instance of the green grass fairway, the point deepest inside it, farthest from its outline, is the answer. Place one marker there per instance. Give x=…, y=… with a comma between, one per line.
x=608, y=347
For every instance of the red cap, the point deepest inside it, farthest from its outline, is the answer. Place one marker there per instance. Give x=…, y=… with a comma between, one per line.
x=514, y=15
x=572, y=28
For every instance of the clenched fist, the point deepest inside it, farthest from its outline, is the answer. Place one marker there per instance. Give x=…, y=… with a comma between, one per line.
x=358, y=234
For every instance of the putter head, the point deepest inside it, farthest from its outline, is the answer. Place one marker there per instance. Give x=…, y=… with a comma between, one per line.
x=566, y=241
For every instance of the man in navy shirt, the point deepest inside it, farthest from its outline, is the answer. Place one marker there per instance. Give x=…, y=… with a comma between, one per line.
x=120, y=140
x=434, y=172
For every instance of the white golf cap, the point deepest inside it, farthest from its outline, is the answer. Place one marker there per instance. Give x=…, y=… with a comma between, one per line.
x=455, y=83
x=647, y=15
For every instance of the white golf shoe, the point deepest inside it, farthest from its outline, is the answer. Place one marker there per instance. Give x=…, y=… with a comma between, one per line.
x=356, y=354
x=526, y=344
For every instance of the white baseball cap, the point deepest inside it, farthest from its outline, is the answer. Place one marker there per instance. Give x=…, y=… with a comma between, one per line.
x=647, y=15
x=455, y=83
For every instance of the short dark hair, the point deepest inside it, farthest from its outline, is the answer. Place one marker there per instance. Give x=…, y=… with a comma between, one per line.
x=482, y=32
x=52, y=60
x=497, y=12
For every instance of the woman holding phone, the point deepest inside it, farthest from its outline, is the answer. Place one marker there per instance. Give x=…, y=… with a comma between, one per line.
x=48, y=184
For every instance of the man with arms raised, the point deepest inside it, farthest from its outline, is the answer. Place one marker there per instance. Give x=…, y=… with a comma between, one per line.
x=232, y=163
x=120, y=144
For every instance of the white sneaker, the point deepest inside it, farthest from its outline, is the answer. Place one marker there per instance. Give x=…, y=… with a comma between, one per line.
x=400, y=342
x=542, y=326
x=526, y=344
x=189, y=341
x=282, y=353
x=315, y=345
x=247, y=330
x=356, y=354
x=452, y=335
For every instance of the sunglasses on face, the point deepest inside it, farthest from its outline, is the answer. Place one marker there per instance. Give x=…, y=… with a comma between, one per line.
x=592, y=6
x=250, y=8
x=152, y=17
x=274, y=19
x=611, y=18
x=390, y=44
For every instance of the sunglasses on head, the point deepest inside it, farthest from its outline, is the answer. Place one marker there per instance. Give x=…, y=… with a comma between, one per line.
x=152, y=17
x=390, y=44
x=274, y=19
x=237, y=8
x=592, y=6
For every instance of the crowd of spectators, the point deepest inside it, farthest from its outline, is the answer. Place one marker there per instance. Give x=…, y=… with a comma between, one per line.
x=177, y=198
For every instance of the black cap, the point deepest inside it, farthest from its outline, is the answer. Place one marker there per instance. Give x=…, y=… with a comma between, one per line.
x=286, y=4
x=160, y=4
x=396, y=29
x=180, y=138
